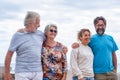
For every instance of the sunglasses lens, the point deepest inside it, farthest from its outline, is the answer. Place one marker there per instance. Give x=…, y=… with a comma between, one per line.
x=55, y=31
x=51, y=30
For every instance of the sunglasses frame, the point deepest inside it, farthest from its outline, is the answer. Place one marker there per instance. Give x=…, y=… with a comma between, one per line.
x=51, y=30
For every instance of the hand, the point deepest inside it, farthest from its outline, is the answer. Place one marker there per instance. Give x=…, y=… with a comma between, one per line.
x=81, y=79
x=65, y=49
x=8, y=77
x=63, y=78
x=75, y=45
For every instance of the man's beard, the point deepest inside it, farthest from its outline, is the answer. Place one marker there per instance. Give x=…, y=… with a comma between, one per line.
x=100, y=31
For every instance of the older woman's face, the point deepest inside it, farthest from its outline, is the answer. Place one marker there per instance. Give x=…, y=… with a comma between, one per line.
x=51, y=33
x=85, y=39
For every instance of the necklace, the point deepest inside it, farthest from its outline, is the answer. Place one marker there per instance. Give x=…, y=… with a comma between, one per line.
x=49, y=46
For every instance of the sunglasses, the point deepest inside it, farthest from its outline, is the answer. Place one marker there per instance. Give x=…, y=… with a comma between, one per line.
x=51, y=30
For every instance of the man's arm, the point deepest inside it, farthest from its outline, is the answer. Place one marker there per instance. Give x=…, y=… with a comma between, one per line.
x=7, y=65
x=114, y=60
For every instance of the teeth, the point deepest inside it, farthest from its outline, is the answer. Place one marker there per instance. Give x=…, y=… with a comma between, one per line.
x=52, y=35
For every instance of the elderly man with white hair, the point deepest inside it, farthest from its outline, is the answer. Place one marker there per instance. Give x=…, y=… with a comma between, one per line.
x=27, y=44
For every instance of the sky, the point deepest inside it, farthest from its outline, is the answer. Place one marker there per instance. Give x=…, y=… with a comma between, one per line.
x=69, y=15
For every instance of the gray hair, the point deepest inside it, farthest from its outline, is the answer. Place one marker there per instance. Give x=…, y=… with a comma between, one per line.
x=99, y=18
x=30, y=17
x=47, y=27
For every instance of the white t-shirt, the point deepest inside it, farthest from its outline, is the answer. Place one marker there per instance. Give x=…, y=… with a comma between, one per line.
x=81, y=61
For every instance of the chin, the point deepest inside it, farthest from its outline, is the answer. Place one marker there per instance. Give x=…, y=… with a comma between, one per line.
x=100, y=34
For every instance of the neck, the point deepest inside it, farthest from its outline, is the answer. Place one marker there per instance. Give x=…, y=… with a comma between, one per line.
x=85, y=44
x=50, y=42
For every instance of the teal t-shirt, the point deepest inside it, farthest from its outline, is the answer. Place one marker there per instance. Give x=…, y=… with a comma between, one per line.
x=103, y=47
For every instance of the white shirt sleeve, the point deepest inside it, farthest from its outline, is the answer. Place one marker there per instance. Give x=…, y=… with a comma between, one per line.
x=74, y=58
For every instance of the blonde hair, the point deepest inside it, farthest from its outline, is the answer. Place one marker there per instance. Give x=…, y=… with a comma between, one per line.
x=80, y=33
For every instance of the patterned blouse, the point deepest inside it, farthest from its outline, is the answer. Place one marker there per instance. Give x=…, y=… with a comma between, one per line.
x=54, y=62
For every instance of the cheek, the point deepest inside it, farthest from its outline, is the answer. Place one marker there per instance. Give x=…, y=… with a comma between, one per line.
x=96, y=29
x=104, y=27
x=47, y=34
x=37, y=22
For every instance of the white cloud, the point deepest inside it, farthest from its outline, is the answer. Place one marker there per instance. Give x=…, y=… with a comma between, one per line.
x=70, y=16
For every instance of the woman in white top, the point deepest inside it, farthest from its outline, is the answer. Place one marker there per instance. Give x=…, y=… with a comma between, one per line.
x=81, y=59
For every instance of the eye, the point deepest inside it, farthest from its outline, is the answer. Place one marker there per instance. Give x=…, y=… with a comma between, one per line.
x=85, y=35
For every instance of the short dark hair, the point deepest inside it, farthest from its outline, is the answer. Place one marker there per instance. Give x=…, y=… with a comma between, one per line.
x=99, y=18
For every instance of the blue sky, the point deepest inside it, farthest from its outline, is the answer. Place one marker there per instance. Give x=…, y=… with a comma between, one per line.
x=69, y=15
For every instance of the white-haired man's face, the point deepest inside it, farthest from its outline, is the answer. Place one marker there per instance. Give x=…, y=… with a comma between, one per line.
x=35, y=25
